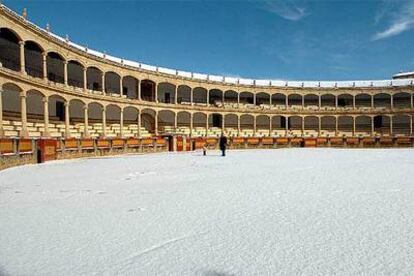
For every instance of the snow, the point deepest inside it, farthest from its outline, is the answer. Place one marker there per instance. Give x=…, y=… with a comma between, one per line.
x=254, y=212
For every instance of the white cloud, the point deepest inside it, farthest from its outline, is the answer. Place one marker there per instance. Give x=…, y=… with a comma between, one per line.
x=287, y=9
x=401, y=20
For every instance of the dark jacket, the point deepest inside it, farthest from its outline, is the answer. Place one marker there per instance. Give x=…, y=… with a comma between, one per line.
x=223, y=142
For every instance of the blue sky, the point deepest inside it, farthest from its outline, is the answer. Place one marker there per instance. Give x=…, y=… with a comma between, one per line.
x=289, y=39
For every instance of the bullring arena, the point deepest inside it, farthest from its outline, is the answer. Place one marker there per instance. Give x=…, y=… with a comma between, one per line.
x=168, y=213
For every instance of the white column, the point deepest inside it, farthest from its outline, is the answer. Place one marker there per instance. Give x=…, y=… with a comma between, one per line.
x=372, y=126
x=287, y=101
x=46, y=116
x=122, y=123
x=139, y=123
x=208, y=97
x=1, y=115
x=238, y=125
x=67, y=120
x=156, y=123
x=44, y=66
x=139, y=90
x=392, y=101
x=353, y=125
x=156, y=92
x=372, y=101
x=336, y=102
x=254, y=126
x=176, y=94
x=207, y=115
x=270, y=100
x=254, y=99
x=24, y=132
x=320, y=102
x=391, y=131
x=238, y=100
x=286, y=125
x=65, y=72
x=353, y=102
x=192, y=96
x=104, y=121
x=86, y=121
x=121, y=92
x=103, y=83
x=22, y=59
x=191, y=124
x=303, y=101
x=85, y=79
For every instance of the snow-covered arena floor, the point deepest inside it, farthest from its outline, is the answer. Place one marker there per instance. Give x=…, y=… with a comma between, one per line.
x=255, y=212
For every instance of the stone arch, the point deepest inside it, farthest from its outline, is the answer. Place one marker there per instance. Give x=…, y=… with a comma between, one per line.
x=94, y=78
x=215, y=96
x=166, y=119
x=166, y=92
x=295, y=123
x=95, y=112
x=345, y=100
x=311, y=100
x=215, y=120
x=402, y=100
x=10, y=49
x=75, y=74
x=11, y=100
x=262, y=98
x=295, y=100
x=148, y=119
x=231, y=121
x=57, y=108
x=112, y=83
x=33, y=56
x=183, y=119
x=382, y=124
x=184, y=94
x=76, y=110
x=200, y=95
x=246, y=121
x=246, y=97
x=263, y=122
x=345, y=124
x=401, y=124
x=148, y=90
x=363, y=124
x=55, y=67
x=230, y=96
x=130, y=87
x=328, y=125
x=327, y=101
x=311, y=123
x=199, y=119
x=363, y=100
x=279, y=122
x=34, y=105
x=382, y=100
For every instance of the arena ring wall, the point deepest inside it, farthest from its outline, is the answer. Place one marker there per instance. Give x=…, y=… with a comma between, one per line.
x=55, y=89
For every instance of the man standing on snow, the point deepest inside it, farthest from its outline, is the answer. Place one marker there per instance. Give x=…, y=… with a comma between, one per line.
x=223, y=144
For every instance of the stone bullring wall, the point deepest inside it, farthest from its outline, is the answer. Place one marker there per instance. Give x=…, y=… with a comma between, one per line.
x=15, y=152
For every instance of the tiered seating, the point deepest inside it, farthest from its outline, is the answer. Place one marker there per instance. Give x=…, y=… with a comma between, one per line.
x=58, y=130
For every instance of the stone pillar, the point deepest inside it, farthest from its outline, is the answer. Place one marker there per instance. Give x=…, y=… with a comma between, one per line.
x=121, y=91
x=175, y=120
x=238, y=125
x=303, y=125
x=336, y=125
x=303, y=102
x=46, y=116
x=121, y=133
x=254, y=99
x=222, y=98
x=353, y=126
x=156, y=92
x=192, y=96
x=104, y=121
x=353, y=102
x=319, y=125
x=139, y=90
x=392, y=101
x=270, y=100
x=65, y=72
x=254, y=126
x=176, y=95
x=156, y=123
x=391, y=131
x=1, y=115
x=24, y=132
x=286, y=125
x=44, y=66
x=208, y=97
x=86, y=121
x=372, y=126
x=320, y=101
x=67, y=119
x=103, y=83
x=191, y=124
x=85, y=79
x=22, y=58
x=287, y=101
x=270, y=126
x=336, y=101
x=372, y=101
x=139, y=123
x=238, y=100
x=207, y=115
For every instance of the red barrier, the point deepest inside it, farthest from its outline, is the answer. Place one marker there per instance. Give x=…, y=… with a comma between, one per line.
x=46, y=150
